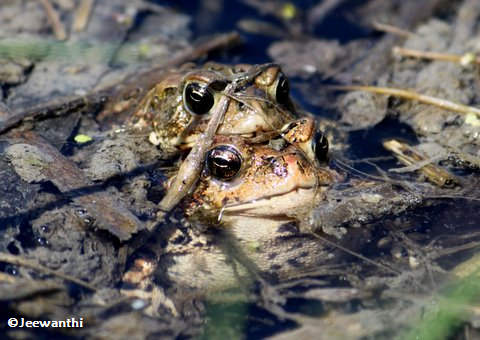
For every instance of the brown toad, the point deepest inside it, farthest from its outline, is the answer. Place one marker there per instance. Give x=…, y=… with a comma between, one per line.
x=243, y=213
x=179, y=107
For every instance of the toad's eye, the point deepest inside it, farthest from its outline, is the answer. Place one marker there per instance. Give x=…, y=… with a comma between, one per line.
x=224, y=162
x=283, y=90
x=320, y=146
x=198, y=99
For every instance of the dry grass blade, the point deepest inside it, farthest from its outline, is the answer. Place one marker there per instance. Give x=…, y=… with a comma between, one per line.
x=391, y=29
x=410, y=156
x=54, y=20
x=82, y=15
x=360, y=256
x=464, y=60
x=412, y=95
x=19, y=261
x=468, y=267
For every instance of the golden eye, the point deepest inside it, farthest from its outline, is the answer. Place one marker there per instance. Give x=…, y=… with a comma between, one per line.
x=198, y=99
x=224, y=162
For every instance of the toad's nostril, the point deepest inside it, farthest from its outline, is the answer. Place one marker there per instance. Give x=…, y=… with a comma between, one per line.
x=320, y=146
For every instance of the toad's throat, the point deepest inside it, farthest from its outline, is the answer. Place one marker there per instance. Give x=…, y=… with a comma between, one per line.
x=279, y=205
x=258, y=221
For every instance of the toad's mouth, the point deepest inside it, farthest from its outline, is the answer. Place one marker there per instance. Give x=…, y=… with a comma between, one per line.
x=279, y=205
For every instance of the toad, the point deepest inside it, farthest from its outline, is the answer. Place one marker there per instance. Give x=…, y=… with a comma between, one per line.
x=243, y=213
x=178, y=108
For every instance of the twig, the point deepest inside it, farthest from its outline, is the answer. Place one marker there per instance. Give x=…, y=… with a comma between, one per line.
x=19, y=261
x=358, y=255
x=470, y=266
x=82, y=14
x=442, y=103
x=53, y=18
x=410, y=156
x=383, y=175
x=191, y=166
x=391, y=29
x=417, y=165
x=456, y=249
x=464, y=60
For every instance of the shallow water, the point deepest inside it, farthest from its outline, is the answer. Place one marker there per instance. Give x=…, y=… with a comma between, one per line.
x=424, y=233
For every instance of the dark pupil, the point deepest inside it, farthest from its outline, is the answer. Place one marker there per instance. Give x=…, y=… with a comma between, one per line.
x=283, y=90
x=223, y=162
x=321, y=146
x=199, y=99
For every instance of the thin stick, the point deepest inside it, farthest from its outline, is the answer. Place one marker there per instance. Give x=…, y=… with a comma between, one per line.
x=192, y=165
x=360, y=256
x=391, y=29
x=470, y=266
x=53, y=18
x=464, y=60
x=82, y=14
x=19, y=261
x=442, y=103
x=410, y=156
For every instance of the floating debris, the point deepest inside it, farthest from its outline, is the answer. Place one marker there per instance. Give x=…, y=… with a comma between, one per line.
x=289, y=11
x=82, y=14
x=412, y=95
x=54, y=19
x=466, y=59
x=81, y=139
x=411, y=157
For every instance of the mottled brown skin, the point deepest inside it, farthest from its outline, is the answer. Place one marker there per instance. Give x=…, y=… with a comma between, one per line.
x=266, y=173
x=253, y=113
